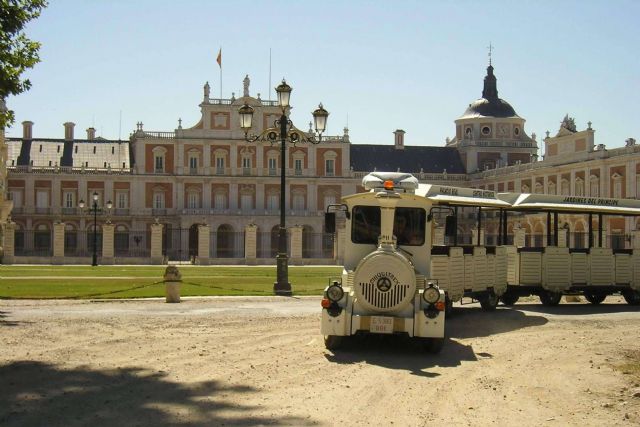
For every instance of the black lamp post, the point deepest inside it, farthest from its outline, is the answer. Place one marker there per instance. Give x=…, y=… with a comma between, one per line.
x=284, y=131
x=94, y=208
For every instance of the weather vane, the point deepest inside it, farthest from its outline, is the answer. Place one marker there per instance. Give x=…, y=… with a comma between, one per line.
x=490, y=48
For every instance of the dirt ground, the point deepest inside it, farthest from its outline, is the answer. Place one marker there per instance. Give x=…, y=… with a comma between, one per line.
x=261, y=361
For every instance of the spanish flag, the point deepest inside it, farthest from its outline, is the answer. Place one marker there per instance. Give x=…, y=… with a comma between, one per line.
x=219, y=59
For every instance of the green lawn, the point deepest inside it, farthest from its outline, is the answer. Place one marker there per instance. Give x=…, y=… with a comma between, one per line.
x=146, y=281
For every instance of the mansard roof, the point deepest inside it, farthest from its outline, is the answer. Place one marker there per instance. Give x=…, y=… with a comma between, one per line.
x=413, y=159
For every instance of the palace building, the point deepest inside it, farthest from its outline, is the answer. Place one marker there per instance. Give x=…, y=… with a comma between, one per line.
x=204, y=194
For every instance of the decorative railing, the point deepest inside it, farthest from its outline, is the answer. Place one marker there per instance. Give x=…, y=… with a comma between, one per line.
x=67, y=170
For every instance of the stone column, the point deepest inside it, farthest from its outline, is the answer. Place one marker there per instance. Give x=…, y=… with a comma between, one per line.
x=562, y=237
x=519, y=237
x=58, y=243
x=108, y=249
x=250, y=243
x=9, y=242
x=156, y=244
x=438, y=236
x=474, y=237
x=296, y=244
x=203, y=244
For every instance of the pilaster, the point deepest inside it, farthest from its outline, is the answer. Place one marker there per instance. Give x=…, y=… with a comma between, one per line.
x=108, y=243
x=203, y=244
x=250, y=243
x=58, y=243
x=156, y=244
x=296, y=244
x=9, y=242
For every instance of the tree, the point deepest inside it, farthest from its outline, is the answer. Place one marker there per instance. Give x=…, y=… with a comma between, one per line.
x=17, y=52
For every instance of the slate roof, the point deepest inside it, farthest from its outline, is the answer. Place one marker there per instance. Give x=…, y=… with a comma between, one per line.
x=369, y=157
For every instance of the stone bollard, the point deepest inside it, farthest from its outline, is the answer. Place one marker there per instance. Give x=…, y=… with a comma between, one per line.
x=172, y=281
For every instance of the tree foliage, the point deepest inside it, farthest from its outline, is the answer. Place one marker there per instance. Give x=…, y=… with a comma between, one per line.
x=17, y=52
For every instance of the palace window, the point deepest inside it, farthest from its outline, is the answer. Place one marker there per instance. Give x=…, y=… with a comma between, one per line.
x=246, y=165
x=159, y=154
x=193, y=200
x=298, y=166
x=617, y=186
x=158, y=200
x=220, y=201
x=122, y=200
x=272, y=163
x=564, y=187
x=273, y=202
x=69, y=199
x=329, y=167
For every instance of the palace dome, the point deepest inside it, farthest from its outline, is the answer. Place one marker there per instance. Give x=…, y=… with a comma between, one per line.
x=489, y=105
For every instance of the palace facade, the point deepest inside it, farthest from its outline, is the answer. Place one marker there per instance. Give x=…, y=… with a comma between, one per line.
x=202, y=193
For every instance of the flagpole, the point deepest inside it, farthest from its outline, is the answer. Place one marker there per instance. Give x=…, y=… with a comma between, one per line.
x=219, y=61
x=269, y=87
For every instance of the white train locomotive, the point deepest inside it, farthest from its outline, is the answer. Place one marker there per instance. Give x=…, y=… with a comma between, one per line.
x=385, y=286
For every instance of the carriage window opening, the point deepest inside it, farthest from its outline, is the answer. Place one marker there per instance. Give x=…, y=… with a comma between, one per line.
x=409, y=225
x=366, y=224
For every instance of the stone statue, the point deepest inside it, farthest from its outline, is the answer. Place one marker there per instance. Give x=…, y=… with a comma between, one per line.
x=207, y=90
x=568, y=123
x=245, y=84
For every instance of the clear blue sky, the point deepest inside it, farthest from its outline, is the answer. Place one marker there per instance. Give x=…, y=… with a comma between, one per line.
x=385, y=65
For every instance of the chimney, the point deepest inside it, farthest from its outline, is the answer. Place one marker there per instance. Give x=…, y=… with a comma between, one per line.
x=27, y=130
x=67, y=152
x=91, y=133
x=399, y=139
x=68, y=131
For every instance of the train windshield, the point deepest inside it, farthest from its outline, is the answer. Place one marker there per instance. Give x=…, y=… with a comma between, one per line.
x=408, y=226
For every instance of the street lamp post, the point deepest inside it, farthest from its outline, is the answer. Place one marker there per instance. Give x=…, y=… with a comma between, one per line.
x=283, y=130
x=94, y=208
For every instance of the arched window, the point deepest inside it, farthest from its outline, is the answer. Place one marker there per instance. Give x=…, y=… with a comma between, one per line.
x=579, y=187
x=551, y=188
x=594, y=186
x=617, y=185
x=564, y=187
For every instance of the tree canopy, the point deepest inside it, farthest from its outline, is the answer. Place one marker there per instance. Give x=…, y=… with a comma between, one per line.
x=17, y=52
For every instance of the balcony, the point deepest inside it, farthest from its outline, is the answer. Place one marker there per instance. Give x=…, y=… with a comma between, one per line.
x=193, y=171
x=159, y=211
x=121, y=211
x=219, y=170
x=43, y=211
x=246, y=171
x=70, y=211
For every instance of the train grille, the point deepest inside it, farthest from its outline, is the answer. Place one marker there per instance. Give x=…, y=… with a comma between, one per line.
x=383, y=300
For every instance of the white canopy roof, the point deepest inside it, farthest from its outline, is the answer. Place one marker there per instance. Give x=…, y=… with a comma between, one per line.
x=603, y=205
x=443, y=194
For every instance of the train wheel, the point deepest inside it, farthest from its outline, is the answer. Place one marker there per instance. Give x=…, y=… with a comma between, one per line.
x=594, y=298
x=509, y=299
x=448, y=307
x=631, y=297
x=550, y=298
x=433, y=345
x=333, y=342
x=489, y=302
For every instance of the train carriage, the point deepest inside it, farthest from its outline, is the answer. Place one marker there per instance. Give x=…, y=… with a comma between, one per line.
x=395, y=280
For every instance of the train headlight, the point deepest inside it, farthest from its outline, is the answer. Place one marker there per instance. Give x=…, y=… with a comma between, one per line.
x=335, y=292
x=431, y=294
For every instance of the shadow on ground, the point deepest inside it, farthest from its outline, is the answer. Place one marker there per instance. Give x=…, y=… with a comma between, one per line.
x=583, y=309
x=5, y=322
x=398, y=352
x=39, y=394
x=473, y=322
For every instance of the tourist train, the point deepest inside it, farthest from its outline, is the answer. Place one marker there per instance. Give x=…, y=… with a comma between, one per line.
x=396, y=279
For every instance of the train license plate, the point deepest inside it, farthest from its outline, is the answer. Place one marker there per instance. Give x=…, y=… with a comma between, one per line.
x=381, y=325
